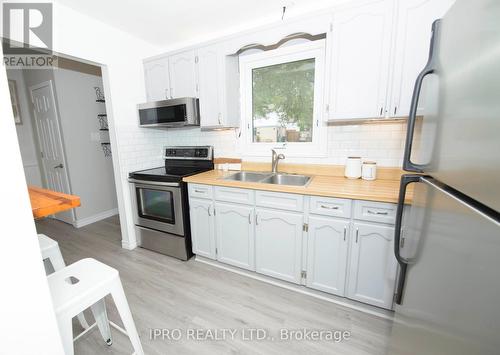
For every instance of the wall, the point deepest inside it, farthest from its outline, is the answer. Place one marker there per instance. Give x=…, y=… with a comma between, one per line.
x=28, y=323
x=25, y=133
x=90, y=172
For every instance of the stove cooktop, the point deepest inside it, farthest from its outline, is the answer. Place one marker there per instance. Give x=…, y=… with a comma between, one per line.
x=171, y=174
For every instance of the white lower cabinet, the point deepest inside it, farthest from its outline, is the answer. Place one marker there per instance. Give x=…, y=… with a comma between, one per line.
x=347, y=252
x=372, y=267
x=327, y=246
x=234, y=226
x=278, y=244
x=202, y=227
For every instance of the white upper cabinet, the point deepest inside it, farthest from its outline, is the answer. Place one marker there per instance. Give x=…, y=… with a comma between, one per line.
x=235, y=236
x=211, y=89
x=360, y=43
x=183, y=75
x=218, y=87
x=327, y=242
x=157, y=79
x=412, y=40
x=372, y=270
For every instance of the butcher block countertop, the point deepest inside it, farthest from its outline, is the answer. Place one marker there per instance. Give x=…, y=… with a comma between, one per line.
x=46, y=202
x=384, y=189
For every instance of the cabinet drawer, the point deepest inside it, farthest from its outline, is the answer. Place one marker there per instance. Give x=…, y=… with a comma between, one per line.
x=231, y=194
x=375, y=211
x=283, y=201
x=327, y=206
x=200, y=191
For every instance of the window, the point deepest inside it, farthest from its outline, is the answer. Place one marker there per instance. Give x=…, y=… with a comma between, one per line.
x=282, y=100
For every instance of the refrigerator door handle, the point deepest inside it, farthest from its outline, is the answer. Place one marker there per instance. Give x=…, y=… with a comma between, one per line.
x=403, y=264
x=408, y=165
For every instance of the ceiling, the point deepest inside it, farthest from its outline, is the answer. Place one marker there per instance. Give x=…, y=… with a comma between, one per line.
x=170, y=22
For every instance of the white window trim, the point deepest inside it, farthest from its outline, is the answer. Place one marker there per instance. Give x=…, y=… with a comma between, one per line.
x=308, y=50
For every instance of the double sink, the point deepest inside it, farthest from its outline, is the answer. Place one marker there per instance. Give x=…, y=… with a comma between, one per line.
x=270, y=178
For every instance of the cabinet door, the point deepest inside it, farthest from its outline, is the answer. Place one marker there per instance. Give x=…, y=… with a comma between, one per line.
x=183, y=76
x=372, y=267
x=412, y=40
x=278, y=244
x=157, y=79
x=360, y=53
x=210, y=86
x=235, y=235
x=327, y=242
x=202, y=227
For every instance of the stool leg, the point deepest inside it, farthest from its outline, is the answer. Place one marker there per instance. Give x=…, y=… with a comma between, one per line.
x=124, y=311
x=66, y=330
x=101, y=318
x=55, y=257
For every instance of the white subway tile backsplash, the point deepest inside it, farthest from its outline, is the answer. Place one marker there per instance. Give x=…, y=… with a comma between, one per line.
x=384, y=142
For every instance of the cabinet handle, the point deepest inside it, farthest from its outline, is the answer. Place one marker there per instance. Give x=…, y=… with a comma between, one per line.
x=171, y=93
x=208, y=210
x=357, y=234
x=395, y=110
x=345, y=233
x=199, y=191
x=329, y=207
x=381, y=110
x=249, y=218
x=256, y=219
x=166, y=93
x=219, y=117
x=378, y=213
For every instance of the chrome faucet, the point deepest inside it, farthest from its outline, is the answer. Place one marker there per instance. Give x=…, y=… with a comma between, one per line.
x=275, y=160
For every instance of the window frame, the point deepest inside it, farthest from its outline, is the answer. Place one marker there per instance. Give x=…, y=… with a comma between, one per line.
x=291, y=53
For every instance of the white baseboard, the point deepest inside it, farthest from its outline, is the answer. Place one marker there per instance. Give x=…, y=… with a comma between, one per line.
x=127, y=245
x=78, y=223
x=341, y=301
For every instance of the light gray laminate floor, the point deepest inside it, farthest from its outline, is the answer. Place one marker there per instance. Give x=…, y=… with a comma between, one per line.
x=167, y=293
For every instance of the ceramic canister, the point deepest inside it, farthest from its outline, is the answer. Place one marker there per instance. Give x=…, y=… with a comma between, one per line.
x=369, y=170
x=353, y=168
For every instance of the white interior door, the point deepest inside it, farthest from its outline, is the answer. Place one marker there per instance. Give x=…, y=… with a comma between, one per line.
x=50, y=142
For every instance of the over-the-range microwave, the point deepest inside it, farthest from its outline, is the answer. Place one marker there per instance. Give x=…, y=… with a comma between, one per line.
x=170, y=113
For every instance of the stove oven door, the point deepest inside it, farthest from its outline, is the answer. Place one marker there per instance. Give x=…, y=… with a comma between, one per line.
x=157, y=205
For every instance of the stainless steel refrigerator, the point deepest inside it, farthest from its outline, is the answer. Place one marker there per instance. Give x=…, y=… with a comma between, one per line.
x=447, y=238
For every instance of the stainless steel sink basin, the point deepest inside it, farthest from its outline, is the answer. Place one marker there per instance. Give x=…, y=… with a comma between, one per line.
x=247, y=176
x=287, y=179
x=270, y=178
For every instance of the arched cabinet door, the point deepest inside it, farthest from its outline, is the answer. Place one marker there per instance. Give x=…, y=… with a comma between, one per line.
x=372, y=267
x=157, y=79
x=202, y=227
x=278, y=244
x=234, y=230
x=327, y=245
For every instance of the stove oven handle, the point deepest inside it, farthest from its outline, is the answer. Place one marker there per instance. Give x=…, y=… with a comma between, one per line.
x=156, y=183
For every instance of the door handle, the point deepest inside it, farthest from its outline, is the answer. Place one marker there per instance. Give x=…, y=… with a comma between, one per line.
x=60, y=166
x=405, y=181
x=408, y=165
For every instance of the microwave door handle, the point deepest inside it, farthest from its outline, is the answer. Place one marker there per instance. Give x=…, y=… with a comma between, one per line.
x=403, y=264
x=408, y=165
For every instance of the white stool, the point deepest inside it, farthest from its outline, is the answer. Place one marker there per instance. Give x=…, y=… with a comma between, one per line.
x=50, y=251
x=85, y=284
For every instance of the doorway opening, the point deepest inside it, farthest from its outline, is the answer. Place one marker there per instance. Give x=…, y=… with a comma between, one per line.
x=62, y=129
